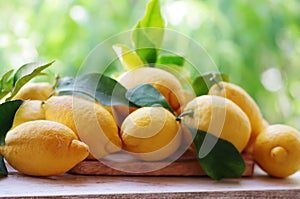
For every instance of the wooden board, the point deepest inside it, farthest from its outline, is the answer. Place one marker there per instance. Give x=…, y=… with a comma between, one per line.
x=186, y=165
x=65, y=186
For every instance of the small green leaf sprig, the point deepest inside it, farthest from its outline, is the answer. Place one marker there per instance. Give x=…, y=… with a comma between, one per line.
x=11, y=83
x=147, y=38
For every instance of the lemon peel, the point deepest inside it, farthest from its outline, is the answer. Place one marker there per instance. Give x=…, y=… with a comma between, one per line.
x=151, y=133
x=220, y=117
x=92, y=123
x=34, y=91
x=239, y=96
x=30, y=110
x=43, y=148
x=279, y=153
x=277, y=150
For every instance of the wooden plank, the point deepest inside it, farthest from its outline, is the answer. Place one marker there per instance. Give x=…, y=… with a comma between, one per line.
x=186, y=165
x=17, y=185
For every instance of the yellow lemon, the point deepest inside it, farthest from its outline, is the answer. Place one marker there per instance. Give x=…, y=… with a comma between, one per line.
x=220, y=117
x=34, y=91
x=30, y=110
x=43, y=148
x=151, y=133
x=93, y=124
x=277, y=150
x=250, y=145
x=165, y=82
x=239, y=96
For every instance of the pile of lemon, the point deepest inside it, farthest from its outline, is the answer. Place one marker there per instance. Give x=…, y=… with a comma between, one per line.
x=51, y=134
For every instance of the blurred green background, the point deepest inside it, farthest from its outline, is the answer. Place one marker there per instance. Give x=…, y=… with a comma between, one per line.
x=256, y=42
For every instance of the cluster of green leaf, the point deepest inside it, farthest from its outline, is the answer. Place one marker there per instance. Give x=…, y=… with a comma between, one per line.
x=12, y=81
x=147, y=38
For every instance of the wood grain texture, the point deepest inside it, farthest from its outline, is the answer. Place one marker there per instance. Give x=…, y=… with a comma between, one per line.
x=186, y=165
x=17, y=185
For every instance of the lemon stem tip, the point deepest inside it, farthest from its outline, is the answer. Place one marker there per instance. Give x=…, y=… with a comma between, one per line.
x=279, y=153
x=187, y=113
x=213, y=79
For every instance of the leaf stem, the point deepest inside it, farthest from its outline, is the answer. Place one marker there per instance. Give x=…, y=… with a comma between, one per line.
x=56, y=80
x=213, y=79
x=189, y=113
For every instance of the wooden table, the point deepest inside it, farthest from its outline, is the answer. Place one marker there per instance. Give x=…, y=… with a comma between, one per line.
x=17, y=185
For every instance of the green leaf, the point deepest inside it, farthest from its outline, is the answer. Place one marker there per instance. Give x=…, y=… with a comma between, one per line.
x=148, y=34
x=96, y=86
x=65, y=83
x=202, y=84
x=3, y=169
x=6, y=83
x=222, y=160
x=7, y=114
x=173, y=60
x=147, y=95
x=152, y=17
x=128, y=58
x=25, y=73
x=147, y=51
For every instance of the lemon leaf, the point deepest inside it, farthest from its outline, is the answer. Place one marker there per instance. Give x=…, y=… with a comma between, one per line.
x=171, y=60
x=6, y=83
x=202, y=84
x=147, y=95
x=96, y=86
x=25, y=73
x=144, y=47
x=152, y=17
x=128, y=58
x=222, y=161
x=7, y=114
x=3, y=169
x=147, y=36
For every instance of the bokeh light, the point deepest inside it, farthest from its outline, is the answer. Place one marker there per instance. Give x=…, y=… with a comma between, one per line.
x=256, y=43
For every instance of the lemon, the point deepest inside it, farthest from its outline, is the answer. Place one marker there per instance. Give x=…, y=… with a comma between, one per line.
x=93, y=124
x=43, y=148
x=239, y=96
x=151, y=133
x=250, y=145
x=34, y=91
x=277, y=150
x=165, y=82
x=220, y=117
x=30, y=110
